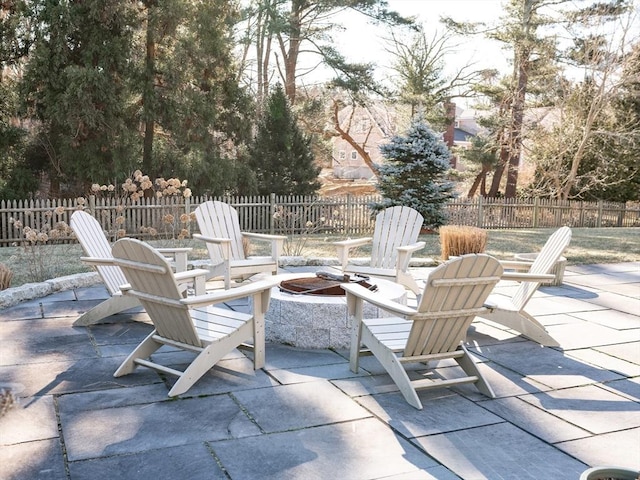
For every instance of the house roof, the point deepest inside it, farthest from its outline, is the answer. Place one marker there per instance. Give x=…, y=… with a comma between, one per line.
x=460, y=135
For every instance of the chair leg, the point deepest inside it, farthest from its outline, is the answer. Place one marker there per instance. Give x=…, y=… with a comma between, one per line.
x=259, y=310
x=356, y=334
x=523, y=323
x=470, y=368
x=111, y=306
x=208, y=357
x=393, y=367
x=142, y=351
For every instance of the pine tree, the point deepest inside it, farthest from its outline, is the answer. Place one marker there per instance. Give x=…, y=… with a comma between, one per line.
x=280, y=155
x=414, y=173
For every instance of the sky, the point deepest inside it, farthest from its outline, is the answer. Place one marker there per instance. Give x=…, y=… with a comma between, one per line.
x=363, y=42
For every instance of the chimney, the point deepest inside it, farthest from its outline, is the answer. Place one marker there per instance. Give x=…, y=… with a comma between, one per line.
x=450, y=108
x=449, y=132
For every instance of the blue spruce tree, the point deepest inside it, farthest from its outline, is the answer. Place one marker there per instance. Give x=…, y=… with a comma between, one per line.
x=414, y=173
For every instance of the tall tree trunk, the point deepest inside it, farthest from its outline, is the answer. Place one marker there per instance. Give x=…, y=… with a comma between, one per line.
x=499, y=171
x=505, y=106
x=148, y=98
x=480, y=180
x=521, y=70
x=515, y=132
x=290, y=55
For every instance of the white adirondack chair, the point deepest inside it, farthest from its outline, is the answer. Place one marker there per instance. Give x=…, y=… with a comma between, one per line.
x=220, y=230
x=394, y=241
x=193, y=323
x=510, y=311
x=98, y=250
x=453, y=295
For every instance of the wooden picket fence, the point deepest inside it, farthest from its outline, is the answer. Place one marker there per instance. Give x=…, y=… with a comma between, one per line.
x=171, y=217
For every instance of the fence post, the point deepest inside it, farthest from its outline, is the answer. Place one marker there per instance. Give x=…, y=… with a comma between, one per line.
x=621, y=214
x=599, y=218
x=272, y=210
x=92, y=205
x=187, y=211
x=536, y=207
x=348, y=216
x=480, y=212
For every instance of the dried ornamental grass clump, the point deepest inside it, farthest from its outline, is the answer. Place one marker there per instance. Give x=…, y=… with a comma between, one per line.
x=5, y=277
x=459, y=240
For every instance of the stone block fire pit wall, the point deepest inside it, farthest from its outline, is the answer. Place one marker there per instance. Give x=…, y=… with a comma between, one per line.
x=319, y=321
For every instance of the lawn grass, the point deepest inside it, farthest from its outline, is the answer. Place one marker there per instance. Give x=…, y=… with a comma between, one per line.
x=588, y=246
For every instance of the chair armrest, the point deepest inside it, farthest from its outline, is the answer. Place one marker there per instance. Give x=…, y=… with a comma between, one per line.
x=179, y=255
x=343, y=246
x=197, y=275
x=198, y=236
x=264, y=236
x=516, y=264
x=353, y=242
x=404, y=255
x=528, y=277
x=219, y=296
x=277, y=242
x=355, y=291
x=223, y=243
x=169, y=250
x=189, y=274
x=98, y=262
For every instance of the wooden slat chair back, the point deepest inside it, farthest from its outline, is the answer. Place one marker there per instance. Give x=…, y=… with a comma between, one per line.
x=510, y=311
x=94, y=242
x=394, y=227
x=220, y=220
x=453, y=296
x=220, y=230
x=97, y=248
x=150, y=277
x=549, y=255
x=193, y=323
x=395, y=239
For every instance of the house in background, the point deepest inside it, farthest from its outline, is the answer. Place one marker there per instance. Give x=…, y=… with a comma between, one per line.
x=369, y=126
x=374, y=125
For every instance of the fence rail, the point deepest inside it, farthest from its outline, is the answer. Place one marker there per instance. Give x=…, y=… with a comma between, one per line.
x=345, y=215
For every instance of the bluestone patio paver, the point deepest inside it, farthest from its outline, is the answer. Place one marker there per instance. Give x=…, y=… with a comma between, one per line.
x=545, y=365
x=190, y=461
x=615, y=448
x=500, y=451
x=352, y=450
x=534, y=420
x=136, y=428
x=300, y=405
x=611, y=357
x=589, y=407
x=40, y=459
x=444, y=411
x=34, y=420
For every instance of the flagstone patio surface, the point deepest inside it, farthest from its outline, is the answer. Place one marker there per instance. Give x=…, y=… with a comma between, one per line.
x=558, y=411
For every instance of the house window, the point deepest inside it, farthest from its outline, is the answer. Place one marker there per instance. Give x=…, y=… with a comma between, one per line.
x=456, y=124
x=342, y=154
x=354, y=155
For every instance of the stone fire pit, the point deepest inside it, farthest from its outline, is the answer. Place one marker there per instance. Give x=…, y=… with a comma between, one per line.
x=318, y=319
